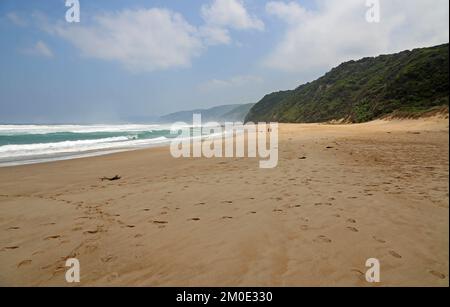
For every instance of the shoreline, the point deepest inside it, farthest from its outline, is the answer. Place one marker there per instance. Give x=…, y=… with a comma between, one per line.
x=84, y=155
x=440, y=116
x=341, y=194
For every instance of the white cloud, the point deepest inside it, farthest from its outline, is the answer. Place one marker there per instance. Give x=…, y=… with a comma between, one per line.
x=142, y=40
x=153, y=39
x=230, y=13
x=234, y=82
x=16, y=19
x=39, y=49
x=338, y=31
x=222, y=15
x=291, y=12
x=215, y=35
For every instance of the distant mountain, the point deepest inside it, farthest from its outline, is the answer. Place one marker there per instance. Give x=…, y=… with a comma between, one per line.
x=232, y=113
x=358, y=91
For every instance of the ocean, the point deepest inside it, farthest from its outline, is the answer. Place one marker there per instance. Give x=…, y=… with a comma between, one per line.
x=25, y=144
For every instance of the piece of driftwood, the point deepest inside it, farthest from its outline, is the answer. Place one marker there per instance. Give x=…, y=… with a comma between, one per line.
x=117, y=177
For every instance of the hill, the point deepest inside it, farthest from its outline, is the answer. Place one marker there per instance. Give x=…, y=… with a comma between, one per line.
x=409, y=82
x=233, y=113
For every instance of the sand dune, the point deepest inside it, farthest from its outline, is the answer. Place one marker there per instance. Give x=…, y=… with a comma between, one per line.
x=341, y=194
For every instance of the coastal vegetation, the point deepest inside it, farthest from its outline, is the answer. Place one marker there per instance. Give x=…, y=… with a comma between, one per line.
x=407, y=83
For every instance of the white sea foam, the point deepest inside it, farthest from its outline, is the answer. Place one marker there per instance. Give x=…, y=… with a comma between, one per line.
x=45, y=129
x=27, y=150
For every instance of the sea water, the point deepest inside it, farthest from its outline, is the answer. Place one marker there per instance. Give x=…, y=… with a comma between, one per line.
x=24, y=144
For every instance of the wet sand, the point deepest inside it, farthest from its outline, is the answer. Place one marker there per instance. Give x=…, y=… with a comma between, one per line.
x=341, y=194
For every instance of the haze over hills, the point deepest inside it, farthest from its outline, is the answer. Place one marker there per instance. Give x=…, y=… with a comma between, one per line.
x=409, y=82
x=232, y=113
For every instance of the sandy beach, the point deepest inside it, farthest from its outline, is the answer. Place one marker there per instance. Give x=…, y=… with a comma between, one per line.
x=341, y=194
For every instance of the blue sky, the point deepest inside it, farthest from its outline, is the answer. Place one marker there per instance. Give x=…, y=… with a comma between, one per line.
x=136, y=59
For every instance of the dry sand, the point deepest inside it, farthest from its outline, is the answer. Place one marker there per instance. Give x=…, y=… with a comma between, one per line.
x=380, y=190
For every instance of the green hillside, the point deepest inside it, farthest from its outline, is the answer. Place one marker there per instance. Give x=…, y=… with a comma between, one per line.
x=357, y=91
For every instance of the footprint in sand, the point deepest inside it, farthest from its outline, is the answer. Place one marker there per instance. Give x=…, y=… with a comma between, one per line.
x=13, y=228
x=10, y=247
x=52, y=237
x=322, y=239
x=351, y=221
x=437, y=274
x=89, y=249
x=394, y=254
x=379, y=240
x=323, y=204
x=107, y=258
x=360, y=274
x=227, y=217
x=25, y=262
x=58, y=269
x=91, y=232
x=353, y=229
x=112, y=277
x=45, y=267
x=195, y=219
x=160, y=222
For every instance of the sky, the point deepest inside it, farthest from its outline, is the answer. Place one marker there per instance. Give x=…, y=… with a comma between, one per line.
x=133, y=60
